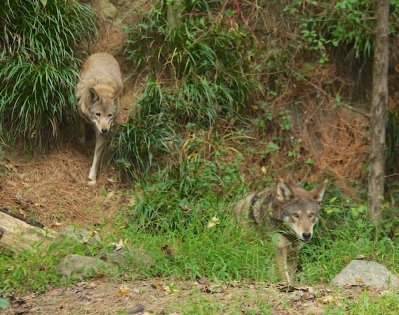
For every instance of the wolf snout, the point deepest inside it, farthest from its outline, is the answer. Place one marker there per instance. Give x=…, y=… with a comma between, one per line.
x=104, y=130
x=306, y=236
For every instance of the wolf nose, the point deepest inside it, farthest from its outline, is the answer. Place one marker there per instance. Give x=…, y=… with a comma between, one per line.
x=104, y=130
x=307, y=236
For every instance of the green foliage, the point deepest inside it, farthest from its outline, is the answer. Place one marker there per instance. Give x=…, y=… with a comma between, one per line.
x=170, y=198
x=344, y=234
x=367, y=304
x=27, y=271
x=340, y=23
x=38, y=67
x=205, y=71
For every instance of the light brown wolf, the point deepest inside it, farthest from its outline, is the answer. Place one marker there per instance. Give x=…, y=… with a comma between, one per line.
x=288, y=210
x=98, y=90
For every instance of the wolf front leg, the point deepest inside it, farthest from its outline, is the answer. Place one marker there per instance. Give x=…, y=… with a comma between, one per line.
x=282, y=259
x=98, y=152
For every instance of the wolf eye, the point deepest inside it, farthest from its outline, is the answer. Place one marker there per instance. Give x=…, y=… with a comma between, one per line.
x=311, y=215
x=295, y=215
x=110, y=115
x=98, y=114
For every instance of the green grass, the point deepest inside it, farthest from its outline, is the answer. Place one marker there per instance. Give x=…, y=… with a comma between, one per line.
x=39, y=67
x=366, y=304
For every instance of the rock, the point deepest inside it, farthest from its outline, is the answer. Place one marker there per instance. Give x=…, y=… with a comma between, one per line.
x=135, y=258
x=80, y=266
x=81, y=235
x=107, y=9
x=367, y=273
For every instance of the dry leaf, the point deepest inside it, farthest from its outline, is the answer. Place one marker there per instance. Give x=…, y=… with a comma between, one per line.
x=213, y=222
x=169, y=251
x=119, y=245
x=123, y=290
x=156, y=285
x=359, y=281
x=171, y=288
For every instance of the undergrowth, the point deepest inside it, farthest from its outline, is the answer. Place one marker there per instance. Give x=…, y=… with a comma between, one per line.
x=350, y=24
x=199, y=73
x=38, y=67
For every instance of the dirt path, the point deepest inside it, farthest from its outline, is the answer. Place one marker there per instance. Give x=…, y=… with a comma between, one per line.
x=189, y=297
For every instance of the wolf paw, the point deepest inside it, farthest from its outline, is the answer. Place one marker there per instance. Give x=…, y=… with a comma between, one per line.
x=91, y=182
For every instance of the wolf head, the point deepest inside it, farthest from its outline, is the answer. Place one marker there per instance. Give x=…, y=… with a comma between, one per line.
x=102, y=107
x=298, y=208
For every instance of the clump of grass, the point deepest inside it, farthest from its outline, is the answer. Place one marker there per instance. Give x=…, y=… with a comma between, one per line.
x=38, y=67
x=211, y=62
x=200, y=72
x=345, y=233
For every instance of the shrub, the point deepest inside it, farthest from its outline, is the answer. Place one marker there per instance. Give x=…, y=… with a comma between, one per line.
x=205, y=71
x=38, y=67
x=340, y=23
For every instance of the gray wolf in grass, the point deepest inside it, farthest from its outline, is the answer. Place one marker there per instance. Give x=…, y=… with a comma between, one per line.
x=288, y=210
x=98, y=91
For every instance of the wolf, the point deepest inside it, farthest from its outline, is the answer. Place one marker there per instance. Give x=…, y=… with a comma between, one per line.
x=288, y=210
x=98, y=93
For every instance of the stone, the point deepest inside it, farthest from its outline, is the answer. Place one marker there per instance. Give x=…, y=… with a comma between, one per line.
x=81, y=235
x=80, y=267
x=107, y=9
x=135, y=258
x=366, y=273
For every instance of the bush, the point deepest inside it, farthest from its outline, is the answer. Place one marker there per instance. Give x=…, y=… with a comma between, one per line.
x=340, y=23
x=201, y=72
x=38, y=68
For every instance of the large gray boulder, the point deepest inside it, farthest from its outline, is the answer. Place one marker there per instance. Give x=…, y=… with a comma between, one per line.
x=367, y=273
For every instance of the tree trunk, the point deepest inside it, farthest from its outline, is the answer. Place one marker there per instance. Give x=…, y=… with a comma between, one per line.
x=18, y=235
x=378, y=113
x=174, y=10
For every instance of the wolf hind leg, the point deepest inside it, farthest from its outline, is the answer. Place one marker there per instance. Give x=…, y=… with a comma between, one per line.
x=98, y=152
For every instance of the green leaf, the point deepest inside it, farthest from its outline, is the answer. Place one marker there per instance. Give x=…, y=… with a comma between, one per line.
x=272, y=147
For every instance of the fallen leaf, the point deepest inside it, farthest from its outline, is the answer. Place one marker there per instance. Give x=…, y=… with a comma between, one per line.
x=171, y=288
x=169, y=251
x=123, y=290
x=328, y=299
x=110, y=195
x=213, y=222
x=119, y=245
x=156, y=285
x=359, y=280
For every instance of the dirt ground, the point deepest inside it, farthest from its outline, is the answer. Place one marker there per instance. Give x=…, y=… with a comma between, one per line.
x=196, y=297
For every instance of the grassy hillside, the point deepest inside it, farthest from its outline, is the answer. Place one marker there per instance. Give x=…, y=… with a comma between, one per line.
x=241, y=93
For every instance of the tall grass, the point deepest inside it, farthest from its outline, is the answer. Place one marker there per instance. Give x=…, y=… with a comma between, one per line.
x=201, y=72
x=38, y=66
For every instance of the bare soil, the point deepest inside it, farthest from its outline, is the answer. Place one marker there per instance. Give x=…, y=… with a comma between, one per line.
x=162, y=296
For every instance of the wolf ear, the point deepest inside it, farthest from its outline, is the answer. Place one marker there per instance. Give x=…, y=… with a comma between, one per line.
x=318, y=192
x=93, y=95
x=284, y=192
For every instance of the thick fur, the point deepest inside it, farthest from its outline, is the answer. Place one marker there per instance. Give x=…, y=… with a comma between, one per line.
x=289, y=211
x=98, y=91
